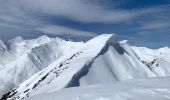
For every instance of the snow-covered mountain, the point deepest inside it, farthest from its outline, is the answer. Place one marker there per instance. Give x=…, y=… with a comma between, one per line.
x=59, y=64
x=158, y=60
x=27, y=57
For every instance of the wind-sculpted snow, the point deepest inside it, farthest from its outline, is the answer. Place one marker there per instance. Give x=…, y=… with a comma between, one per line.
x=157, y=60
x=115, y=63
x=28, y=57
x=58, y=75
x=140, y=89
x=101, y=60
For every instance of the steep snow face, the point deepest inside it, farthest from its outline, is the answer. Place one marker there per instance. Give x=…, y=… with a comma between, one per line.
x=3, y=47
x=29, y=57
x=117, y=62
x=93, y=63
x=64, y=71
x=141, y=89
x=158, y=60
x=18, y=47
x=98, y=61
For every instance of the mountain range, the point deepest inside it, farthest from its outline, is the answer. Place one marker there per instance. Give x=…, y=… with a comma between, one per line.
x=102, y=68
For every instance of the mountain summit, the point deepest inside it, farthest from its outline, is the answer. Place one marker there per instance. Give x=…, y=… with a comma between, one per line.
x=60, y=64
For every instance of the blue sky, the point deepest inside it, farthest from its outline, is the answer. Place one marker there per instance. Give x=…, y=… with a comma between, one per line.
x=142, y=22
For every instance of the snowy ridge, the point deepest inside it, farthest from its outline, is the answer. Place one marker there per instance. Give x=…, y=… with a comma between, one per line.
x=116, y=62
x=61, y=72
x=27, y=57
x=157, y=60
x=18, y=47
x=63, y=64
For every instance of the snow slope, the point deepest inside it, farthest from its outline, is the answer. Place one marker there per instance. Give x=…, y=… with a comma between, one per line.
x=60, y=74
x=101, y=60
x=27, y=57
x=158, y=60
x=140, y=89
x=115, y=63
x=92, y=63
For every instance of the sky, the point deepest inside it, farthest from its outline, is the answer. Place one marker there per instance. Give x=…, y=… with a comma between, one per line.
x=142, y=22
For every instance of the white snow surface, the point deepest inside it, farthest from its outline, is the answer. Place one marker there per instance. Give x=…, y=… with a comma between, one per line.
x=60, y=64
x=158, y=60
x=27, y=57
x=140, y=89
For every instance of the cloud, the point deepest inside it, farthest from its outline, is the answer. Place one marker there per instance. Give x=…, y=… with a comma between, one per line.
x=16, y=14
x=60, y=30
x=155, y=25
x=34, y=14
x=80, y=10
x=143, y=33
